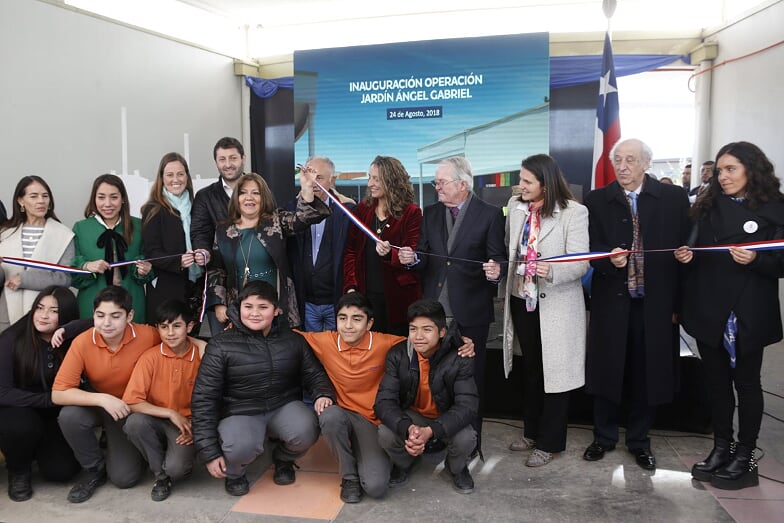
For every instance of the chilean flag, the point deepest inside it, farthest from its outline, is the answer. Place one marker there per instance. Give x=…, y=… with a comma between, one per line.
x=608, y=123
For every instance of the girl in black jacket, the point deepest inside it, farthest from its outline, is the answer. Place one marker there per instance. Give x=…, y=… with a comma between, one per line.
x=731, y=303
x=30, y=357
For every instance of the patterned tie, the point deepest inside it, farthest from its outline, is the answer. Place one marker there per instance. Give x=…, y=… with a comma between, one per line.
x=636, y=272
x=454, y=211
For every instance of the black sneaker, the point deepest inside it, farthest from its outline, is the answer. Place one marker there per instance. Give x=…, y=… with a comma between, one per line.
x=20, y=488
x=284, y=473
x=161, y=489
x=350, y=491
x=463, y=481
x=86, y=484
x=237, y=486
x=399, y=475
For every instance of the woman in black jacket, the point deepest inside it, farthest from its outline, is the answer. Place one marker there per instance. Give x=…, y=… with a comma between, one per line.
x=250, y=386
x=731, y=303
x=29, y=361
x=166, y=231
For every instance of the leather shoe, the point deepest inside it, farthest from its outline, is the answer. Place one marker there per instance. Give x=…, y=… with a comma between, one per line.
x=19, y=486
x=595, y=451
x=644, y=458
x=284, y=473
x=237, y=486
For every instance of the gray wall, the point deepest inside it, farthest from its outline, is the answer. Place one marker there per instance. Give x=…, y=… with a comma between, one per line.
x=747, y=96
x=65, y=77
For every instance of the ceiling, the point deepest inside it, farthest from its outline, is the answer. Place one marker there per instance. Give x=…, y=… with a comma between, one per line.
x=259, y=29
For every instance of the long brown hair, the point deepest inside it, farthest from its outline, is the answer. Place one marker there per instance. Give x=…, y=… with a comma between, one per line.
x=125, y=213
x=268, y=204
x=396, y=183
x=158, y=200
x=17, y=218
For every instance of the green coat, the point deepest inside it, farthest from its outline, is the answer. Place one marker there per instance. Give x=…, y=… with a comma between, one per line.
x=86, y=233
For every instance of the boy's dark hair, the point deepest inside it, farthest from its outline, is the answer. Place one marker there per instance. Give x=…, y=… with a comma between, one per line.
x=115, y=294
x=172, y=309
x=259, y=288
x=430, y=309
x=355, y=299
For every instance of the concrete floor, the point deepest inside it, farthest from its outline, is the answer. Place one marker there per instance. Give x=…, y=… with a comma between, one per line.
x=568, y=489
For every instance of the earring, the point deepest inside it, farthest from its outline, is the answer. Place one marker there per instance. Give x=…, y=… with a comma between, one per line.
x=22, y=209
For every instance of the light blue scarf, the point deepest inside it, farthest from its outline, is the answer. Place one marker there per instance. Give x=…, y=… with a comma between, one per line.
x=183, y=205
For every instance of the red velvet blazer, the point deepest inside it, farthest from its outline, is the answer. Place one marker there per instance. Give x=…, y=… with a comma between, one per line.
x=401, y=286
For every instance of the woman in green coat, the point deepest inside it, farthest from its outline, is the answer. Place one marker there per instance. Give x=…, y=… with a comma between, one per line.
x=109, y=234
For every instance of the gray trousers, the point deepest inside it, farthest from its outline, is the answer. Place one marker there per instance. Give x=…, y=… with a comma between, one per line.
x=353, y=441
x=156, y=439
x=124, y=465
x=458, y=448
x=243, y=437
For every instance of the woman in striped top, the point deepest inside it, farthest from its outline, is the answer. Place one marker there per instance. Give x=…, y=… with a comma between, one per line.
x=34, y=232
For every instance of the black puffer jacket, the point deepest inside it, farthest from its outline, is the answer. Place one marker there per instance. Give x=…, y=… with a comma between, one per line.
x=451, y=383
x=245, y=373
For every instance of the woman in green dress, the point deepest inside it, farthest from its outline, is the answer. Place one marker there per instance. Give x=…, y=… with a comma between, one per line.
x=109, y=234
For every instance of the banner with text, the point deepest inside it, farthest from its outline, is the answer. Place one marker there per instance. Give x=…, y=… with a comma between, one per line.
x=484, y=98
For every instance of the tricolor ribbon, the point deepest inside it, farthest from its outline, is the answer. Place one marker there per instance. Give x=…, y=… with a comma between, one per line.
x=35, y=264
x=768, y=245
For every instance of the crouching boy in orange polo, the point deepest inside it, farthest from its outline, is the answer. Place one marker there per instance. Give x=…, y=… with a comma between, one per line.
x=159, y=395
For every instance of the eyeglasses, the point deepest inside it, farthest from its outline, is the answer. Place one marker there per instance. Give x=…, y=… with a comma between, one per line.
x=437, y=183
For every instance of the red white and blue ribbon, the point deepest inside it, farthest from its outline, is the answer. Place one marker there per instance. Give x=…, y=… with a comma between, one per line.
x=768, y=245
x=35, y=264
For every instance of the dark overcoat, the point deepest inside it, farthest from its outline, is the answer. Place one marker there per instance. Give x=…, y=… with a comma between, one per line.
x=716, y=285
x=664, y=224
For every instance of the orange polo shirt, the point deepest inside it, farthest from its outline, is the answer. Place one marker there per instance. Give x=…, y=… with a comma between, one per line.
x=107, y=371
x=424, y=404
x=355, y=372
x=164, y=379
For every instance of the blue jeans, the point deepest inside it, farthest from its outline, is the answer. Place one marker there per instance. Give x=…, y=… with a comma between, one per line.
x=319, y=318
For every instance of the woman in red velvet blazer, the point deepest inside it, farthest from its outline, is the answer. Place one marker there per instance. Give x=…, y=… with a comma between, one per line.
x=374, y=268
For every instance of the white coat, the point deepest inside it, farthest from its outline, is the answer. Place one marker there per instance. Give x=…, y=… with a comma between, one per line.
x=54, y=246
x=561, y=302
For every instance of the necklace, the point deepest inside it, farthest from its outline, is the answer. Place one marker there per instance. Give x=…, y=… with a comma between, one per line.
x=379, y=224
x=246, y=272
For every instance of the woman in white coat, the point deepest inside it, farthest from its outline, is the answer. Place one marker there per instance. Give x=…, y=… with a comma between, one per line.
x=544, y=309
x=33, y=232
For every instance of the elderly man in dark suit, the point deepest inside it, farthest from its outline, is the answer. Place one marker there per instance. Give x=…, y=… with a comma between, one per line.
x=632, y=339
x=458, y=228
x=316, y=254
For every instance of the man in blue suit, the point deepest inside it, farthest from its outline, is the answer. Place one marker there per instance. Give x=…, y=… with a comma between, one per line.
x=461, y=227
x=316, y=255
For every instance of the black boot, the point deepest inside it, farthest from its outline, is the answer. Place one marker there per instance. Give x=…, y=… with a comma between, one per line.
x=723, y=452
x=740, y=473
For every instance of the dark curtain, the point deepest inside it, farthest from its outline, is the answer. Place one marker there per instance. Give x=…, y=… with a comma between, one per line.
x=272, y=142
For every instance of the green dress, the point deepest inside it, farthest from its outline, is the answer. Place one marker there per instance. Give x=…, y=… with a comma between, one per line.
x=86, y=233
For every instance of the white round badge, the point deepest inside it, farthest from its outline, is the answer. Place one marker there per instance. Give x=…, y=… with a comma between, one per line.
x=750, y=226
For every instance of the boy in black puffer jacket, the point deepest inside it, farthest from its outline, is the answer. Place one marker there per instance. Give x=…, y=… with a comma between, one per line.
x=428, y=397
x=249, y=387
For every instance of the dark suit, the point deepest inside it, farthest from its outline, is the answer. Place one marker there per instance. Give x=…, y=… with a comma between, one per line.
x=336, y=229
x=479, y=237
x=634, y=339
